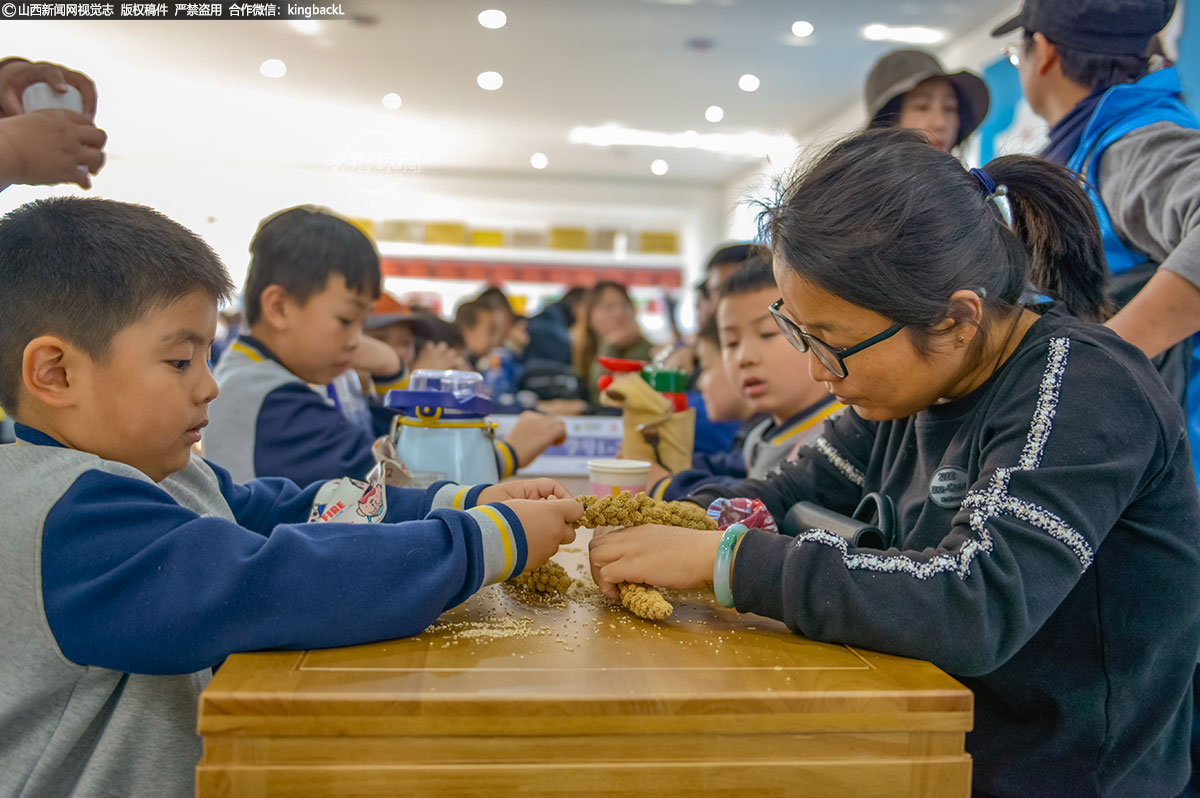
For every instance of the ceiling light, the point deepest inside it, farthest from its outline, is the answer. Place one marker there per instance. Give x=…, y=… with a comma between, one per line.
x=493, y=18
x=539, y=160
x=309, y=27
x=913, y=34
x=802, y=29
x=392, y=101
x=272, y=68
x=714, y=113
x=748, y=83
x=747, y=145
x=659, y=166
x=490, y=80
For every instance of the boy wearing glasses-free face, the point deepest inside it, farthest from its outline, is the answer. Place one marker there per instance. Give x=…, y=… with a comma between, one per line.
x=768, y=371
x=130, y=566
x=769, y=375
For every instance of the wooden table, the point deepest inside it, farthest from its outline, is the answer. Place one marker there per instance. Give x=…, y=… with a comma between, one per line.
x=512, y=694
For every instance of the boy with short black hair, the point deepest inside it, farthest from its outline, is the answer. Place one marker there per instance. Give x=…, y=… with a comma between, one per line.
x=769, y=374
x=129, y=566
x=312, y=282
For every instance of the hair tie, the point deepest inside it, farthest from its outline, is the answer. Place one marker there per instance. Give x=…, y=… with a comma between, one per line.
x=989, y=185
x=997, y=194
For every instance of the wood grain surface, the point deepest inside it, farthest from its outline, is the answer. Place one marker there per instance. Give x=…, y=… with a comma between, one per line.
x=515, y=693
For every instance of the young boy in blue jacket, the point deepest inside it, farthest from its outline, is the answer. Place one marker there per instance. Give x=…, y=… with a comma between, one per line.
x=129, y=566
x=313, y=281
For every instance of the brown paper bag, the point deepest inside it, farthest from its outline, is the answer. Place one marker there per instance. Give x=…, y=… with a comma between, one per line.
x=653, y=432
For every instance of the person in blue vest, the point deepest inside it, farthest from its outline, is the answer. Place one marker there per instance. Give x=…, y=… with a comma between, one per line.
x=1122, y=124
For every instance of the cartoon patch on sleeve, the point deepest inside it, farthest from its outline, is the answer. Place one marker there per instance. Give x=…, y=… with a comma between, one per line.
x=350, y=501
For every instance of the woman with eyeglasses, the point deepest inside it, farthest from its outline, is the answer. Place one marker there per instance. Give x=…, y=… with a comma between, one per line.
x=1048, y=528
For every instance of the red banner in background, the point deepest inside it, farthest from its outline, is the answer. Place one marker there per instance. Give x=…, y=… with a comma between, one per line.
x=559, y=274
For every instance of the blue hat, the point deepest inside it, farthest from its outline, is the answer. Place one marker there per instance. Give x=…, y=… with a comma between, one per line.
x=1109, y=27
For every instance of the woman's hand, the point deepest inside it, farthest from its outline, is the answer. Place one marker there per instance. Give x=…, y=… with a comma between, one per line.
x=653, y=554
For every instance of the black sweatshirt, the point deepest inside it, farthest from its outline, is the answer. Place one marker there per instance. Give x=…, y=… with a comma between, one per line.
x=1063, y=588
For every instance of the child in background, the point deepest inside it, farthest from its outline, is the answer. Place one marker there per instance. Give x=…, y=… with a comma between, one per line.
x=394, y=324
x=723, y=404
x=513, y=329
x=312, y=281
x=501, y=364
x=129, y=566
x=439, y=346
x=607, y=326
x=445, y=339
x=721, y=264
x=479, y=328
x=772, y=377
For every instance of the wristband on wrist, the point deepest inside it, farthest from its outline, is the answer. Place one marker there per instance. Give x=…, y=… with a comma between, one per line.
x=721, y=568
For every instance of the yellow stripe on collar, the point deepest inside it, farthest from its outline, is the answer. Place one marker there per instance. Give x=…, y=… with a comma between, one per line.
x=808, y=423
x=660, y=489
x=238, y=346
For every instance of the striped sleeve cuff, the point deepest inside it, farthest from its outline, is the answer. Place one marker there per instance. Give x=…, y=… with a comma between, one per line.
x=451, y=496
x=396, y=382
x=660, y=488
x=503, y=541
x=506, y=460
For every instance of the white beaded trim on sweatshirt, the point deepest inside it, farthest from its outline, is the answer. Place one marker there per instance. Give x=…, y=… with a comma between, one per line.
x=840, y=463
x=993, y=501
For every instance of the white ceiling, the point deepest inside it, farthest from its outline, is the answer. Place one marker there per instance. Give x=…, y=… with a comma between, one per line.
x=192, y=91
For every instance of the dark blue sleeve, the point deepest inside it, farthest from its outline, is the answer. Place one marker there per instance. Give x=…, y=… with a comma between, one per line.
x=134, y=582
x=300, y=437
x=685, y=483
x=725, y=469
x=261, y=504
x=722, y=464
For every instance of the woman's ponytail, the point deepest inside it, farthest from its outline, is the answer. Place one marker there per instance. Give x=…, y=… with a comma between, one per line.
x=1053, y=218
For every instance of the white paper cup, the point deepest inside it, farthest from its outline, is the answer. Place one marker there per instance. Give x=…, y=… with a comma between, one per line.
x=610, y=476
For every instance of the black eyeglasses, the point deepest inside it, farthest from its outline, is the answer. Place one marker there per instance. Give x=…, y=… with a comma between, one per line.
x=831, y=357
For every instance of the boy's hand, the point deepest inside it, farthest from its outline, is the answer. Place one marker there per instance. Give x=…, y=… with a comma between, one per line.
x=16, y=76
x=548, y=524
x=437, y=356
x=376, y=358
x=563, y=407
x=653, y=554
x=544, y=488
x=533, y=434
x=48, y=147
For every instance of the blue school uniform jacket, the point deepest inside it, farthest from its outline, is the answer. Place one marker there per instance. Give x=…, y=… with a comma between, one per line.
x=267, y=422
x=119, y=594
